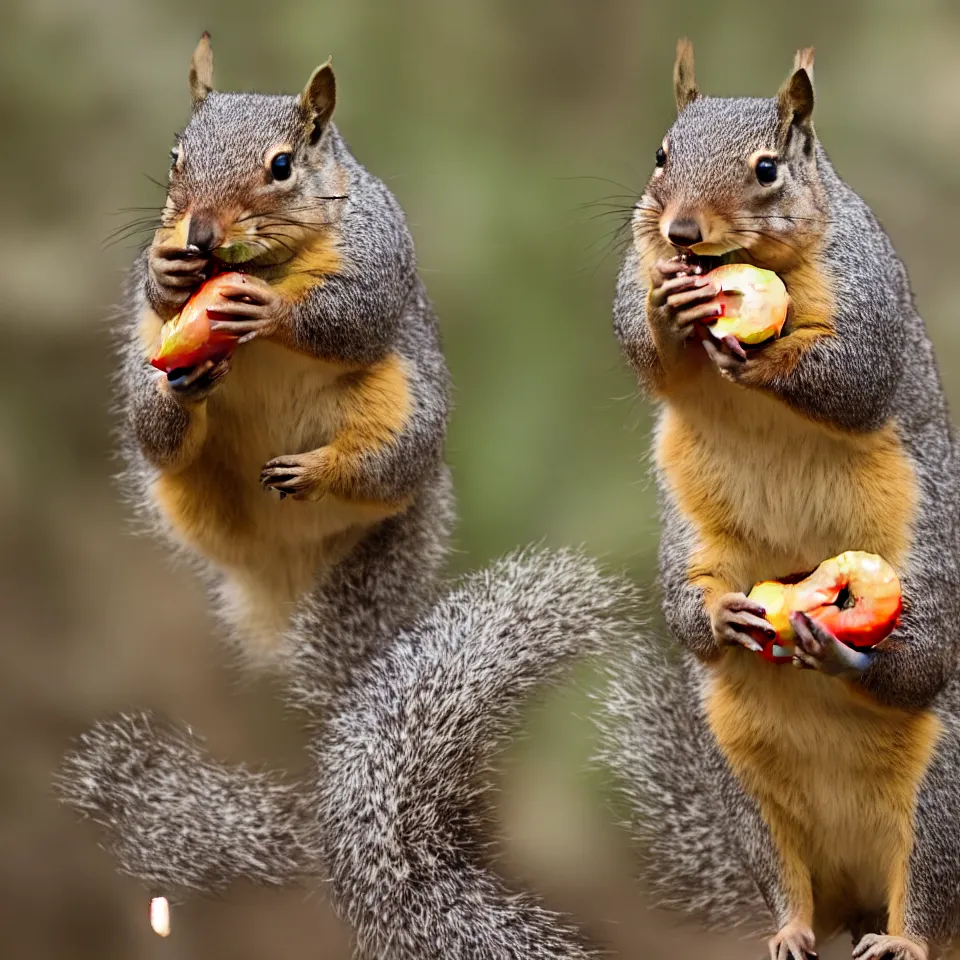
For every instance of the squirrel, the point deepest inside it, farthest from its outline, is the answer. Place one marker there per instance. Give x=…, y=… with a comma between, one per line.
x=409, y=687
x=829, y=794
x=394, y=817
x=338, y=398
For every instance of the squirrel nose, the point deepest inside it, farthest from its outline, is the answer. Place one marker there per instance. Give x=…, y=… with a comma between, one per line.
x=684, y=232
x=202, y=233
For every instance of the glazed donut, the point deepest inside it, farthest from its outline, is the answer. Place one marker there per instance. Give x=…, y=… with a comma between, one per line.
x=856, y=596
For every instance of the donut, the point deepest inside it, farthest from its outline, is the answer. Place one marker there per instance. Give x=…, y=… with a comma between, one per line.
x=754, y=303
x=855, y=595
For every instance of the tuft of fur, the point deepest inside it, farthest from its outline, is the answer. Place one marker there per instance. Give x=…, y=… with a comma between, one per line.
x=388, y=579
x=179, y=821
x=403, y=763
x=396, y=814
x=671, y=780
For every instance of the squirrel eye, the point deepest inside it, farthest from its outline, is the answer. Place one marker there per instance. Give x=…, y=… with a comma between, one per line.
x=281, y=166
x=661, y=157
x=766, y=170
x=174, y=157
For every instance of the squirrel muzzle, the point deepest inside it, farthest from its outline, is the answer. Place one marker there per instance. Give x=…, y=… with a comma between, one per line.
x=204, y=232
x=683, y=232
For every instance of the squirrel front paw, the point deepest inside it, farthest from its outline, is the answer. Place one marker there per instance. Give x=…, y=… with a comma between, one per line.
x=680, y=297
x=193, y=384
x=816, y=648
x=256, y=309
x=176, y=272
x=737, y=619
x=727, y=354
x=302, y=476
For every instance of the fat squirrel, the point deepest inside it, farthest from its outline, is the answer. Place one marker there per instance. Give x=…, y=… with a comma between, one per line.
x=339, y=403
x=828, y=796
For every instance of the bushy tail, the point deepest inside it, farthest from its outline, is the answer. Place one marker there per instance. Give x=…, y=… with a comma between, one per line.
x=396, y=816
x=677, y=789
x=179, y=821
x=402, y=766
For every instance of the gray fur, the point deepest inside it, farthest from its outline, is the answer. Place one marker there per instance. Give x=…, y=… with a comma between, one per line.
x=683, y=606
x=404, y=763
x=682, y=800
x=377, y=299
x=850, y=381
x=396, y=813
x=879, y=368
x=933, y=906
x=383, y=584
x=129, y=773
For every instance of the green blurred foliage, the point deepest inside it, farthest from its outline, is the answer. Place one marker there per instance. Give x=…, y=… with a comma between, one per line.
x=516, y=136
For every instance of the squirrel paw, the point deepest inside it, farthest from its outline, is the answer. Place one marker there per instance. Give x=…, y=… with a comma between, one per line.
x=177, y=272
x=875, y=946
x=682, y=297
x=256, y=308
x=736, y=618
x=795, y=941
x=726, y=353
x=816, y=648
x=302, y=476
x=193, y=384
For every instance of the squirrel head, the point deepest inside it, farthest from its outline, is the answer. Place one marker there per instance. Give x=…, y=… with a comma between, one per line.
x=735, y=177
x=252, y=176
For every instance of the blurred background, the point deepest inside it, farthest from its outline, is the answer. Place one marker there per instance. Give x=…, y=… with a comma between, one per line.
x=514, y=135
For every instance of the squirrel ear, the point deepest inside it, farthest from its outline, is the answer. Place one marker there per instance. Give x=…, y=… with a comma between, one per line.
x=684, y=81
x=201, y=70
x=795, y=100
x=804, y=61
x=318, y=99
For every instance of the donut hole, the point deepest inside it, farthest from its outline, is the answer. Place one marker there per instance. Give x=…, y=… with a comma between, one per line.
x=845, y=599
x=731, y=301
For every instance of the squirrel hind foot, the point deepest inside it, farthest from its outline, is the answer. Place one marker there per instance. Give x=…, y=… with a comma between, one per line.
x=795, y=941
x=875, y=946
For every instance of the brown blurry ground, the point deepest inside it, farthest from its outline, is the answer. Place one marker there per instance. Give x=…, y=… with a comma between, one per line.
x=494, y=123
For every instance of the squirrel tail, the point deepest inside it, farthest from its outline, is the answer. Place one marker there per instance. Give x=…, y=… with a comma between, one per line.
x=403, y=763
x=395, y=813
x=675, y=787
x=179, y=821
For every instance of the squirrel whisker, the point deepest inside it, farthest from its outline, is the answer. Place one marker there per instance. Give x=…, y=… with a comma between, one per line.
x=145, y=226
x=766, y=235
x=778, y=216
x=616, y=183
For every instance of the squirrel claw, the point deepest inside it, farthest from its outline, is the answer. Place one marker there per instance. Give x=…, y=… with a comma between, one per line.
x=176, y=272
x=818, y=649
x=875, y=946
x=738, y=619
x=197, y=383
x=299, y=476
x=246, y=329
x=727, y=354
x=732, y=345
x=793, y=942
